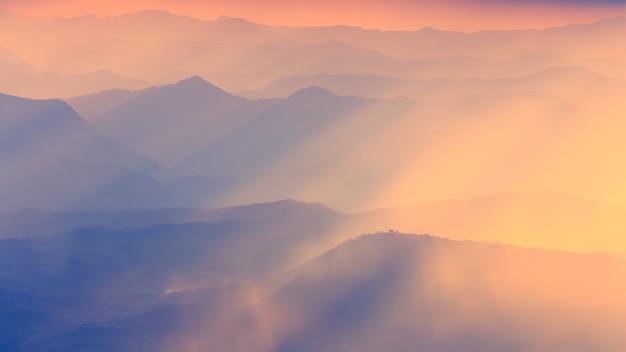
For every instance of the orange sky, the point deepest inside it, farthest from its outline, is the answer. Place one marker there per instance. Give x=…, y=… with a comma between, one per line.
x=468, y=15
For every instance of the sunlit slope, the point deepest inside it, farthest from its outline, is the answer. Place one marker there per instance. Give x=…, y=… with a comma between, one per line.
x=541, y=220
x=402, y=292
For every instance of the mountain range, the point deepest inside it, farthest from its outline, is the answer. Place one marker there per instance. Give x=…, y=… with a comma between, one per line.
x=163, y=287
x=174, y=184
x=239, y=55
x=314, y=135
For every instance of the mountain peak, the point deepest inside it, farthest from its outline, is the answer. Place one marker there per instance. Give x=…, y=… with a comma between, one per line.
x=151, y=12
x=195, y=79
x=234, y=22
x=198, y=84
x=313, y=92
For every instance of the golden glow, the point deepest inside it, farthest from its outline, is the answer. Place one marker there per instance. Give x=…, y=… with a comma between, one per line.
x=508, y=130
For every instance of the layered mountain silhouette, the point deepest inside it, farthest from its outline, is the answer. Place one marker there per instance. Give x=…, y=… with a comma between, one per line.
x=34, y=223
x=239, y=55
x=170, y=123
x=53, y=127
x=21, y=79
x=568, y=82
x=334, y=149
x=161, y=286
x=144, y=212
x=53, y=159
x=532, y=219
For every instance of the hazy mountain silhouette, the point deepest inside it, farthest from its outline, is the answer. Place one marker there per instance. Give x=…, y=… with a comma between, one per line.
x=107, y=242
x=321, y=147
x=57, y=183
x=53, y=159
x=383, y=70
x=158, y=46
x=340, y=150
x=560, y=81
x=22, y=80
x=266, y=62
x=566, y=40
x=299, y=116
x=51, y=126
x=533, y=219
x=236, y=54
x=91, y=106
x=171, y=122
x=298, y=139
x=33, y=223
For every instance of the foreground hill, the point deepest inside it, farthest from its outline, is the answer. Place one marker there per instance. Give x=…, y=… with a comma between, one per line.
x=167, y=287
x=405, y=293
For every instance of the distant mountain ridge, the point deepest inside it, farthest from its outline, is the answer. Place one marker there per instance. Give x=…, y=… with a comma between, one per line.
x=52, y=159
x=238, y=55
x=53, y=126
x=37, y=223
x=551, y=81
x=535, y=220
x=196, y=128
x=169, y=123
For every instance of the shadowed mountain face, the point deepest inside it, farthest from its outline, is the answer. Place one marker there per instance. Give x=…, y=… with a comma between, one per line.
x=51, y=126
x=172, y=122
x=53, y=159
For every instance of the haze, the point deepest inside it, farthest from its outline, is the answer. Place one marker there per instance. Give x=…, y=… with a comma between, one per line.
x=295, y=176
